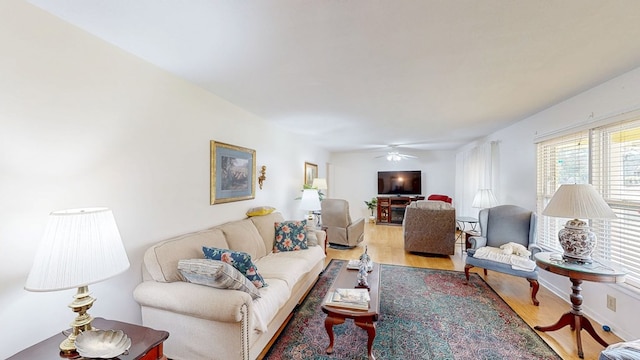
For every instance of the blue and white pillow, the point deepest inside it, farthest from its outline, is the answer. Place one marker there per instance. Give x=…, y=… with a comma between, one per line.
x=239, y=260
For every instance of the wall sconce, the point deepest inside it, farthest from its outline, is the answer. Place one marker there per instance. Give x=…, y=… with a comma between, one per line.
x=263, y=175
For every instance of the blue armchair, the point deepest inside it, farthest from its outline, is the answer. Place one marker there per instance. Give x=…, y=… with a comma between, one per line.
x=498, y=226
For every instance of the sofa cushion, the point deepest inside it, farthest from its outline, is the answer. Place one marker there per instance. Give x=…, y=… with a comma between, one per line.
x=312, y=237
x=290, y=236
x=260, y=211
x=266, y=229
x=290, y=266
x=271, y=299
x=217, y=274
x=239, y=260
x=161, y=260
x=243, y=236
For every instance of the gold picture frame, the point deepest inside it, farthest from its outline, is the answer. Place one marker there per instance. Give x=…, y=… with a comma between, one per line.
x=233, y=173
x=310, y=173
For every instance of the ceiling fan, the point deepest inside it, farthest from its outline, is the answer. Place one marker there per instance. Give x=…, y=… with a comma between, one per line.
x=394, y=155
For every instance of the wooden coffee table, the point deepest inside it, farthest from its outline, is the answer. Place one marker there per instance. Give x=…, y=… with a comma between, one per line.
x=363, y=318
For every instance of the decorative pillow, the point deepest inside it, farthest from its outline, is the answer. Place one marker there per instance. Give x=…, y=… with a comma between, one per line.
x=239, y=260
x=312, y=238
x=260, y=211
x=290, y=236
x=217, y=274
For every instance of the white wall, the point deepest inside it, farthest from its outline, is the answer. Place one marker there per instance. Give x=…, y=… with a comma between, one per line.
x=353, y=175
x=517, y=184
x=84, y=124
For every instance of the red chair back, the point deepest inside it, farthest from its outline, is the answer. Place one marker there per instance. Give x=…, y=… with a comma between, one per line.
x=444, y=198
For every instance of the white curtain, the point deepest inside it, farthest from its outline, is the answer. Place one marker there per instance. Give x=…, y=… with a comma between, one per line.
x=476, y=168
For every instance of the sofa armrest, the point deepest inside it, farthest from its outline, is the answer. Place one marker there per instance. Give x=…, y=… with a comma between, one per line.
x=195, y=300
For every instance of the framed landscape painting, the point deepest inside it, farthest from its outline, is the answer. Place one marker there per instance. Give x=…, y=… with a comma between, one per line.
x=233, y=173
x=310, y=173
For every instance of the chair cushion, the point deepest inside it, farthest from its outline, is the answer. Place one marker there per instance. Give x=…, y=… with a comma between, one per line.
x=217, y=274
x=290, y=236
x=239, y=260
x=499, y=267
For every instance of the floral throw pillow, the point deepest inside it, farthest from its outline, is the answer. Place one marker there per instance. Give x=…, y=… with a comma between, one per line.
x=290, y=236
x=239, y=260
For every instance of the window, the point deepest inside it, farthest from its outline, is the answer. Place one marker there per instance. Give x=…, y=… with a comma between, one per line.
x=609, y=158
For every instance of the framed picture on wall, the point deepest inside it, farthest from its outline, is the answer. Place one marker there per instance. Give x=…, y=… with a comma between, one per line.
x=310, y=173
x=233, y=173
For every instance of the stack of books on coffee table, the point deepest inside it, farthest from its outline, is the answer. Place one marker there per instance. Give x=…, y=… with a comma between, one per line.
x=357, y=299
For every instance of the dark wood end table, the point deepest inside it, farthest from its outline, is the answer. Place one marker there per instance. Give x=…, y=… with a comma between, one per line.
x=598, y=271
x=146, y=343
x=364, y=319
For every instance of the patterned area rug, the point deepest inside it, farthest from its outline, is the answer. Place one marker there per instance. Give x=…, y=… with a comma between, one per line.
x=425, y=314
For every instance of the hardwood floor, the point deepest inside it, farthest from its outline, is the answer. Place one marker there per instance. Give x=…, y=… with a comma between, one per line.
x=385, y=245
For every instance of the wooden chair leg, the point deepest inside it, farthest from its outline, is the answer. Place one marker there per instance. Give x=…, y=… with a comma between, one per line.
x=485, y=272
x=466, y=271
x=534, y=285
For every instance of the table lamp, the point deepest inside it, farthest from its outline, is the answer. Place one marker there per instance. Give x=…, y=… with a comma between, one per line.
x=79, y=247
x=578, y=201
x=310, y=202
x=320, y=184
x=484, y=199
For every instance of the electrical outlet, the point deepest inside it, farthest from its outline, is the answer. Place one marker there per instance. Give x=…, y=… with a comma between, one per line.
x=611, y=303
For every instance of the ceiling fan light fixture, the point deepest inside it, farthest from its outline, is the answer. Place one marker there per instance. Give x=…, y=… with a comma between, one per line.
x=394, y=156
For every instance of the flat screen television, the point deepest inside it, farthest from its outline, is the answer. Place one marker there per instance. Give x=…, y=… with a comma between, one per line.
x=400, y=182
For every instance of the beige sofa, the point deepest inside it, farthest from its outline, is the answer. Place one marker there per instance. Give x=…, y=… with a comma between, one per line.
x=211, y=323
x=430, y=227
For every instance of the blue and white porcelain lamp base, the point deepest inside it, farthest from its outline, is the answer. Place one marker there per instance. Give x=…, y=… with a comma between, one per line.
x=577, y=241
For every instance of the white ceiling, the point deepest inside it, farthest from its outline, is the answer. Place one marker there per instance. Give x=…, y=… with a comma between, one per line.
x=352, y=74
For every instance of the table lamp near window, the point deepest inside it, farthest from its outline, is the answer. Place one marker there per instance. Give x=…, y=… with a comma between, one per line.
x=578, y=201
x=310, y=202
x=79, y=247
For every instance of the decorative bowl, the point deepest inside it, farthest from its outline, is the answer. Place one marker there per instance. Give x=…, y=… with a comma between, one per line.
x=102, y=344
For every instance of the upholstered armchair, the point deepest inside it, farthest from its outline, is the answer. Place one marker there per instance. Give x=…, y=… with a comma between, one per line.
x=501, y=225
x=340, y=229
x=429, y=227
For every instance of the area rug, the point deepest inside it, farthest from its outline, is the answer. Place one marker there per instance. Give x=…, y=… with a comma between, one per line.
x=425, y=314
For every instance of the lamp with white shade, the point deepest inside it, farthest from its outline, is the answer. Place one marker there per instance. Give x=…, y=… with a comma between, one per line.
x=79, y=247
x=578, y=201
x=320, y=184
x=484, y=199
x=310, y=202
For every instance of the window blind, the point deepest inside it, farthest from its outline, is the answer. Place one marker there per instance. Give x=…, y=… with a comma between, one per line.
x=608, y=157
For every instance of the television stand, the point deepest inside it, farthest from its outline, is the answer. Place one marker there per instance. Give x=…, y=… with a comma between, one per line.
x=391, y=208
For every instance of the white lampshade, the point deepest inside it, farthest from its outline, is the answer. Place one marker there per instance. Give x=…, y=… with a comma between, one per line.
x=310, y=200
x=578, y=201
x=79, y=247
x=319, y=183
x=575, y=202
x=484, y=199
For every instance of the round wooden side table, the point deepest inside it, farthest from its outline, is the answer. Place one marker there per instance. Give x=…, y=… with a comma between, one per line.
x=597, y=271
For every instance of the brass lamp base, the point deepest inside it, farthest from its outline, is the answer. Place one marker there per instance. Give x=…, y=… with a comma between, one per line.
x=81, y=303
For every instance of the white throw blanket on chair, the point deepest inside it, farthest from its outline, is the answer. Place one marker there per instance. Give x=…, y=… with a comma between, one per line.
x=495, y=254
